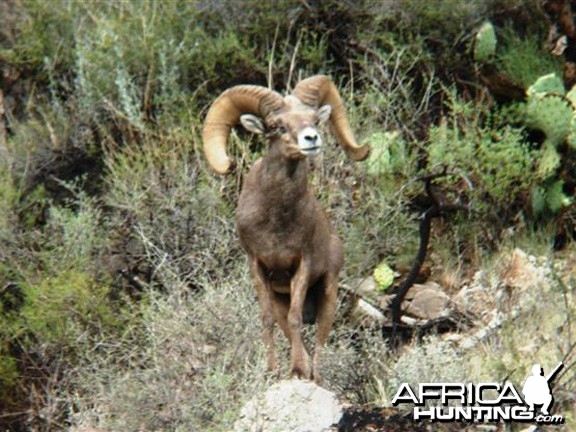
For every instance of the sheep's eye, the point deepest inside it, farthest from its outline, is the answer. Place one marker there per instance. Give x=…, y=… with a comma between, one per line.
x=276, y=129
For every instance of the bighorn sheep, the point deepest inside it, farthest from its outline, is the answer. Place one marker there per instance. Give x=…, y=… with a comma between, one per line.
x=293, y=252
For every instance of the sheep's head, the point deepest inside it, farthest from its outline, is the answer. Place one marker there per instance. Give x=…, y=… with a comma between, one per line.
x=293, y=130
x=290, y=123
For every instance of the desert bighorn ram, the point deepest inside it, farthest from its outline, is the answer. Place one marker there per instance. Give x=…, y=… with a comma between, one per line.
x=293, y=252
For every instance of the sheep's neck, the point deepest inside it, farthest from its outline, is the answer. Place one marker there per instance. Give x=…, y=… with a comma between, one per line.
x=283, y=181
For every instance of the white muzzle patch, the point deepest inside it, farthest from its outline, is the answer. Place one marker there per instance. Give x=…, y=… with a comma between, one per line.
x=309, y=141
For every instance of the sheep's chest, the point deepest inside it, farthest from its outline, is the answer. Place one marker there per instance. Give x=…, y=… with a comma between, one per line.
x=277, y=218
x=273, y=235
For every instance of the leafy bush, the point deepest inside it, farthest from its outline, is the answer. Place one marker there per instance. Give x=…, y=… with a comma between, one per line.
x=495, y=160
x=55, y=302
x=137, y=60
x=552, y=113
x=175, y=214
x=57, y=310
x=546, y=109
x=40, y=37
x=522, y=58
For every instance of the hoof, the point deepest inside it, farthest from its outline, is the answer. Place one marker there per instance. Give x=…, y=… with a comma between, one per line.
x=298, y=372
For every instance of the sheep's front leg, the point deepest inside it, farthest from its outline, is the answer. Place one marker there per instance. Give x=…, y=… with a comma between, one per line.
x=298, y=288
x=265, y=299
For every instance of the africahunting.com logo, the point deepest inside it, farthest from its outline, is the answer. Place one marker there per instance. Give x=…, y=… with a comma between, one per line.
x=483, y=402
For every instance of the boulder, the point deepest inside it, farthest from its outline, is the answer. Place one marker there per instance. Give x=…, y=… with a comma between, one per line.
x=291, y=405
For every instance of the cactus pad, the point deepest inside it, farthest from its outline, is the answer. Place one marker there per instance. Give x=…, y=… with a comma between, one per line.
x=485, y=42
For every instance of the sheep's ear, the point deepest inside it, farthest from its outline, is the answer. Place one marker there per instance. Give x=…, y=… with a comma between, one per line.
x=252, y=123
x=323, y=113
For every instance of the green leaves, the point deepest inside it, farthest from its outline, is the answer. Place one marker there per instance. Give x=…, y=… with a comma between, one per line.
x=496, y=159
x=556, y=198
x=548, y=162
x=386, y=153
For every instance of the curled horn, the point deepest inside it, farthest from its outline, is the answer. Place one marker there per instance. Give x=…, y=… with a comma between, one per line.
x=225, y=113
x=320, y=90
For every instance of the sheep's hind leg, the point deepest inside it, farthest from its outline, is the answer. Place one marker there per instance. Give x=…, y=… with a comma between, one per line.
x=265, y=299
x=327, y=303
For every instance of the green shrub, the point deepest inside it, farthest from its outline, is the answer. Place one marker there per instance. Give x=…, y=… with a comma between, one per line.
x=42, y=38
x=547, y=109
x=137, y=56
x=59, y=309
x=495, y=160
x=389, y=155
x=506, y=172
x=523, y=58
x=175, y=213
x=8, y=373
x=190, y=365
x=56, y=303
x=9, y=195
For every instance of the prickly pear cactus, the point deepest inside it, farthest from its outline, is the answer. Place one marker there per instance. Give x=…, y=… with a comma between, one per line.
x=549, y=110
x=546, y=84
x=485, y=42
x=553, y=111
x=555, y=197
x=549, y=160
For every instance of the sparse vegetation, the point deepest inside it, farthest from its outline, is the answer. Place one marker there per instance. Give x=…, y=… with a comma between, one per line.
x=125, y=301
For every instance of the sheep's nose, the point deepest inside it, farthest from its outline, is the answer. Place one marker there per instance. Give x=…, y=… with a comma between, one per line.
x=309, y=141
x=311, y=138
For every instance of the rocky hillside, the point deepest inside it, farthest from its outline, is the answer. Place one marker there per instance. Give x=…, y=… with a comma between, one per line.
x=125, y=301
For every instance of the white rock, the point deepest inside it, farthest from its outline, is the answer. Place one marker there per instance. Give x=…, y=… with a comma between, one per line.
x=291, y=405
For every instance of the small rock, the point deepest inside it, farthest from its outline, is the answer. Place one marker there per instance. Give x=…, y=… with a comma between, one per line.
x=365, y=314
x=428, y=301
x=368, y=287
